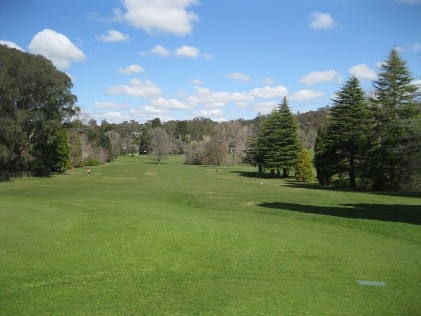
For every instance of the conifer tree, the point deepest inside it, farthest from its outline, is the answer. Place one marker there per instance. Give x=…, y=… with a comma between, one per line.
x=349, y=130
x=303, y=168
x=397, y=117
x=278, y=141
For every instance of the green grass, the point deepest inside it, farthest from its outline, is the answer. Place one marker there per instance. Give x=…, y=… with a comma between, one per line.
x=137, y=238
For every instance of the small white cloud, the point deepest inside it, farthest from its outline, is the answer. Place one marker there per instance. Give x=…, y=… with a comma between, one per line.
x=112, y=117
x=56, y=47
x=163, y=16
x=304, y=95
x=132, y=69
x=214, y=112
x=171, y=104
x=317, y=77
x=148, y=111
x=363, y=72
x=416, y=47
x=239, y=76
x=187, y=51
x=113, y=36
x=270, y=92
x=265, y=107
x=12, y=45
x=158, y=50
x=109, y=105
x=321, y=21
x=197, y=82
x=136, y=88
x=268, y=81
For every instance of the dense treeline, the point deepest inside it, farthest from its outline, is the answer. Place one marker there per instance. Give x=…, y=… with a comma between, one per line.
x=358, y=140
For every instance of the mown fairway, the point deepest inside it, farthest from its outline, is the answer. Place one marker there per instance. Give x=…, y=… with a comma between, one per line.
x=137, y=238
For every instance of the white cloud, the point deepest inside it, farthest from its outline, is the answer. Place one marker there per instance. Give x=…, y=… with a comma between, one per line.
x=416, y=47
x=112, y=117
x=205, y=113
x=136, y=88
x=187, y=51
x=363, y=72
x=321, y=21
x=166, y=16
x=217, y=99
x=268, y=81
x=183, y=51
x=158, y=50
x=269, y=92
x=197, y=82
x=149, y=112
x=304, y=95
x=265, y=107
x=109, y=105
x=171, y=104
x=317, y=77
x=113, y=36
x=12, y=45
x=132, y=69
x=239, y=76
x=56, y=47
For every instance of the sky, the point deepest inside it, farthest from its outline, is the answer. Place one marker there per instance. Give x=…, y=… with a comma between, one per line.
x=219, y=59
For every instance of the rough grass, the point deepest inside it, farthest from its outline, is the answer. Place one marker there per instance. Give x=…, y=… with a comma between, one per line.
x=139, y=238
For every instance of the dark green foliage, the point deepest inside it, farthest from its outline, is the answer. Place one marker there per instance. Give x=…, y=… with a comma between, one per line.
x=304, y=167
x=348, y=132
x=322, y=158
x=34, y=99
x=397, y=113
x=61, y=152
x=278, y=139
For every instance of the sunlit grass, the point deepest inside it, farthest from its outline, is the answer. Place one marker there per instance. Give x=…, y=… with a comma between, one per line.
x=140, y=238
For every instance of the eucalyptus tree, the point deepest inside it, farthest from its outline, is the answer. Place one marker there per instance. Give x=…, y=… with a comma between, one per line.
x=34, y=99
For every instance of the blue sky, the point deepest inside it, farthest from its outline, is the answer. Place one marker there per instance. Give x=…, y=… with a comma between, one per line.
x=180, y=59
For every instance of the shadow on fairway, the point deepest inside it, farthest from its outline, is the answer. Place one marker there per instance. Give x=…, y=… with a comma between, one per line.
x=390, y=213
x=291, y=182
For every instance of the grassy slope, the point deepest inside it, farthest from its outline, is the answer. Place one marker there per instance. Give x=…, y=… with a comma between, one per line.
x=140, y=238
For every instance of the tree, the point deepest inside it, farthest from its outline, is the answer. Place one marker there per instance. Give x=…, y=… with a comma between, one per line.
x=322, y=158
x=160, y=143
x=34, y=99
x=60, y=151
x=216, y=147
x=252, y=154
x=278, y=140
x=304, y=167
x=349, y=132
x=397, y=115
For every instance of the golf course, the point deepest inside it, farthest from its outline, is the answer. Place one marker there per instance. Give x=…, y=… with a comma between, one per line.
x=139, y=238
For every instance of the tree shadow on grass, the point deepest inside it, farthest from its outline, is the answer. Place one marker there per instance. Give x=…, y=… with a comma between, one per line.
x=410, y=214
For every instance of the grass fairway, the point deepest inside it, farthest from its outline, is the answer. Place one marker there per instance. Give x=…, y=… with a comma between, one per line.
x=137, y=238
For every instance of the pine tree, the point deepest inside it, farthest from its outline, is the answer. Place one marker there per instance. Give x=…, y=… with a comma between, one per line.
x=396, y=110
x=349, y=130
x=323, y=154
x=304, y=168
x=278, y=141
